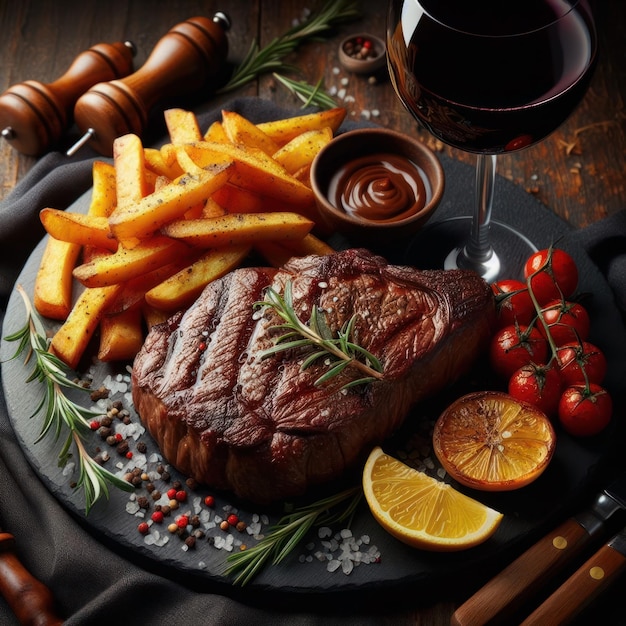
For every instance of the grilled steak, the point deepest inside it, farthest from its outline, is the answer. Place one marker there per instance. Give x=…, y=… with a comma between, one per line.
x=259, y=426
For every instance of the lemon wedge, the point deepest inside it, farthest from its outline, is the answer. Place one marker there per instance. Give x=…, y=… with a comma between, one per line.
x=422, y=511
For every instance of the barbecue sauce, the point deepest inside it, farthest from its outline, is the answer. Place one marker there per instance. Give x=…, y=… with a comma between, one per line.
x=379, y=187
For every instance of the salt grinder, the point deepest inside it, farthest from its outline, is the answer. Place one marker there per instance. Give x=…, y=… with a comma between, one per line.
x=33, y=115
x=181, y=63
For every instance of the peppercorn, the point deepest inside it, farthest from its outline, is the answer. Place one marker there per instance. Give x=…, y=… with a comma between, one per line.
x=181, y=495
x=122, y=448
x=143, y=502
x=232, y=519
x=241, y=526
x=156, y=494
x=209, y=501
x=171, y=493
x=111, y=440
x=177, y=485
x=173, y=527
x=190, y=541
x=157, y=517
x=105, y=432
x=143, y=528
x=182, y=521
x=195, y=521
x=191, y=483
x=141, y=446
x=224, y=525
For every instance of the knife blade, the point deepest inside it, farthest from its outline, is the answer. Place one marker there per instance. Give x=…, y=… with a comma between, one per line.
x=506, y=592
x=584, y=585
x=28, y=598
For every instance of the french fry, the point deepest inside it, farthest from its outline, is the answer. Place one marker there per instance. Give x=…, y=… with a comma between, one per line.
x=134, y=290
x=182, y=126
x=53, y=283
x=239, y=228
x=103, y=194
x=156, y=162
x=254, y=171
x=241, y=131
x=215, y=133
x=71, y=340
x=284, y=130
x=235, y=199
x=85, y=230
x=278, y=253
x=168, y=203
x=121, y=335
x=302, y=149
x=125, y=264
x=153, y=316
x=181, y=289
x=310, y=244
x=130, y=175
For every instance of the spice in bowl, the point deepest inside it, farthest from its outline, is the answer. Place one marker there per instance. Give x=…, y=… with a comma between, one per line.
x=362, y=53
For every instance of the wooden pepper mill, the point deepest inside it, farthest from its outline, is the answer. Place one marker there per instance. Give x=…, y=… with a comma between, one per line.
x=33, y=115
x=182, y=62
x=30, y=599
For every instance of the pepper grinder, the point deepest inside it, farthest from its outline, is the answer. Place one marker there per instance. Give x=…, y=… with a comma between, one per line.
x=33, y=115
x=181, y=63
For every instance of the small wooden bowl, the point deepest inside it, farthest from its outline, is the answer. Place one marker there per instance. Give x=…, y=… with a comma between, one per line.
x=355, y=145
x=359, y=63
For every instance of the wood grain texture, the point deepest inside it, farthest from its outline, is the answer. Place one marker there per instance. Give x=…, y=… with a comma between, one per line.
x=579, y=171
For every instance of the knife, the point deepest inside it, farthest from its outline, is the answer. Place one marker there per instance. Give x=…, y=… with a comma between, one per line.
x=584, y=586
x=507, y=591
x=28, y=598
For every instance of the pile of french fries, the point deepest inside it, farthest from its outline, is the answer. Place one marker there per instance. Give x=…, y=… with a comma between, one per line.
x=163, y=223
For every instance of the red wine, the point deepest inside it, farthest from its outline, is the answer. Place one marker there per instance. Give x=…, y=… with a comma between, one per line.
x=489, y=76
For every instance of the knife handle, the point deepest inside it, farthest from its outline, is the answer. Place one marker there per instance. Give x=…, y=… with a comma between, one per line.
x=29, y=599
x=580, y=589
x=506, y=592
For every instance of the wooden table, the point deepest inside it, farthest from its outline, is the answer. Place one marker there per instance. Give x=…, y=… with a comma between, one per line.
x=579, y=171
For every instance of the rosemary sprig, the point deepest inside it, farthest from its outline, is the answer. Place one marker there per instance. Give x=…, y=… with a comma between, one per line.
x=342, y=351
x=288, y=532
x=58, y=410
x=309, y=94
x=270, y=58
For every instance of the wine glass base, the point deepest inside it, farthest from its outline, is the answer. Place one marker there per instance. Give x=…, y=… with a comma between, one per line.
x=439, y=244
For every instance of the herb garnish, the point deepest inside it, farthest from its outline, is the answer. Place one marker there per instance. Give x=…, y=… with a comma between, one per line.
x=308, y=94
x=270, y=58
x=342, y=351
x=287, y=533
x=59, y=411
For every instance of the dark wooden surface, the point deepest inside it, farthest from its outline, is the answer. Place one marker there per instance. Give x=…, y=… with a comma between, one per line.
x=579, y=172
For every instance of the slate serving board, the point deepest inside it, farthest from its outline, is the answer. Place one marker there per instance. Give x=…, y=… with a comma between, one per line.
x=577, y=469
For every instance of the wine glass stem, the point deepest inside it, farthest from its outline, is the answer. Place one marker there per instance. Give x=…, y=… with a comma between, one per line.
x=478, y=254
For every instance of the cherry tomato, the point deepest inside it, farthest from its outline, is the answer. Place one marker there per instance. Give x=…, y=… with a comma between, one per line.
x=557, y=274
x=513, y=302
x=568, y=322
x=539, y=385
x=580, y=359
x=585, y=411
x=513, y=347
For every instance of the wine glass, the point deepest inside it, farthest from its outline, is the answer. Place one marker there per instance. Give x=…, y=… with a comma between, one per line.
x=488, y=77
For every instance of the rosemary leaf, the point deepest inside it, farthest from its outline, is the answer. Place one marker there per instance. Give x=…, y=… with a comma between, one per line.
x=271, y=58
x=288, y=532
x=310, y=95
x=60, y=412
x=341, y=350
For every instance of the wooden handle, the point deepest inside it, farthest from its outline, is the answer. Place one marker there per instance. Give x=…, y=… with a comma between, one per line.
x=508, y=590
x=33, y=116
x=29, y=599
x=182, y=62
x=580, y=589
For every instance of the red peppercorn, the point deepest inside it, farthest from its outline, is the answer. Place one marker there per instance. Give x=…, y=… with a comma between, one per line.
x=171, y=494
x=157, y=517
x=202, y=346
x=129, y=455
x=182, y=521
x=94, y=425
x=232, y=519
x=118, y=437
x=143, y=528
x=181, y=496
x=209, y=501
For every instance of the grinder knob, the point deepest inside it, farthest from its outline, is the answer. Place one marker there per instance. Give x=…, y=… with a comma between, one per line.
x=181, y=63
x=33, y=116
